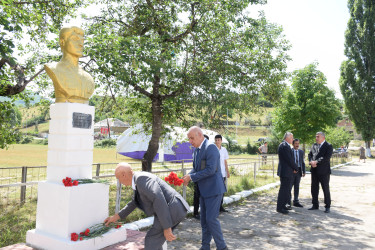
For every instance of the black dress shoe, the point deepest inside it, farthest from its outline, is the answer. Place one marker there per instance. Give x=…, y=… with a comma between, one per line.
x=197, y=216
x=313, y=208
x=327, y=210
x=283, y=211
x=288, y=207
x=297, y=204
x=223, y=210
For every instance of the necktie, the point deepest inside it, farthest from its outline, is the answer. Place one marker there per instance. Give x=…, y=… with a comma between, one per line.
x=297, y=158
x=196, y=159
x=137, y=199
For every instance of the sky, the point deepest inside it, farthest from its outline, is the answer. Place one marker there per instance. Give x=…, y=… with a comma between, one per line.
x=316, y=31
x=314, y=28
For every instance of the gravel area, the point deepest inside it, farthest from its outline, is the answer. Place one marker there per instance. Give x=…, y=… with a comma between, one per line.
x=254, y=223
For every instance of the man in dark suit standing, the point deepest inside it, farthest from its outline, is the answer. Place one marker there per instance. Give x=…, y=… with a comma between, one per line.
x=287, y=167
x=319, y=159
x=207, y=174
x=156, y=198
x=299, y=159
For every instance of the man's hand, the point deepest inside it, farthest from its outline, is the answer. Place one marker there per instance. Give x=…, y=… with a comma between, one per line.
x=186, y=179
x=303, y=175
x=295, y=171
x=111, y=219
x=228, y=175
x=169, y=236
x=314, y=164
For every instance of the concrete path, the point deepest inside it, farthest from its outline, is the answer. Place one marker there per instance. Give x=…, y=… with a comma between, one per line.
x=254, y=223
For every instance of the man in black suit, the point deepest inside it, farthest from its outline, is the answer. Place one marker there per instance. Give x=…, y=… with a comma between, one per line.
x=299, y=159
x=287, y=167
x=319, y=159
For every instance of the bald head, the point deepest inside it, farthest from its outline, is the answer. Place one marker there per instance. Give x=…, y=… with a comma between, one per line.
x=124, y=173
x=195, y=135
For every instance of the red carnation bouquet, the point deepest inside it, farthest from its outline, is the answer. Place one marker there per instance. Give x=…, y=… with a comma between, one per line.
x=173, y=179
x=94, y=231
x=68, y=182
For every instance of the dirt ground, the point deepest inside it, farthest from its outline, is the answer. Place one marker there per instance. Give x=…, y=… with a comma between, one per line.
x=255, y=224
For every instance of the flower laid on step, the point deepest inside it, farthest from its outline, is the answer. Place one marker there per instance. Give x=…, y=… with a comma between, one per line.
x=68, y=182
x=94, y=231
x=172, y=178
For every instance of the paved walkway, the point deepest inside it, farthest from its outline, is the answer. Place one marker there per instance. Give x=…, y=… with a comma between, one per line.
x=254, y=223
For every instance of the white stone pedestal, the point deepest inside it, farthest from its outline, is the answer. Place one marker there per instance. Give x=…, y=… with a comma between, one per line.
x=64, y=210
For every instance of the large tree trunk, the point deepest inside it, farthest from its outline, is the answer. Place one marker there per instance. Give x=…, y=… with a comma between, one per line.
x=368, y=149
x=153, y=145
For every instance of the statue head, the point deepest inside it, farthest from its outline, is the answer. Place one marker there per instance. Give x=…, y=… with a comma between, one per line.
x=71, y=41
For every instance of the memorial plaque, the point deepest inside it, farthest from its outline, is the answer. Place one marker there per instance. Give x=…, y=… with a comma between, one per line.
x=81, y=120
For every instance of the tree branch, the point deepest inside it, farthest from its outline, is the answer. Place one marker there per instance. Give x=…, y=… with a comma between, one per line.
x=138, y=88
x=188, y=30
x=8, y=89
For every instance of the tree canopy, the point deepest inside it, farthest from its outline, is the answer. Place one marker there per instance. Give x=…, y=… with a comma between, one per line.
x=24, y=25
x=357, y=80
x=183, y=62
x=308, y=106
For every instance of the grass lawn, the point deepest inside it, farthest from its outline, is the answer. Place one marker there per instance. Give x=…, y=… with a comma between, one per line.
x=36, y=155
x=19, y=219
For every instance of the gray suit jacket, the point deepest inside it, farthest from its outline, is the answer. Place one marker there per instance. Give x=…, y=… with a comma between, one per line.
x=155, y=197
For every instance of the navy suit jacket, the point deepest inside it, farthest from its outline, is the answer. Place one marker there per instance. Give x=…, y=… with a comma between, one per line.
x=301, y=159
x=323, y=156
x=207, y=172
x=286, y=160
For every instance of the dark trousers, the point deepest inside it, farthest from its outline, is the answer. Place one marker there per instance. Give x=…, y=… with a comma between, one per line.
x=324, y=181
x=295, y=182
x=155, y=238
x=197, y=194
x=284, y=192
x=211, y=227
x=222, y=199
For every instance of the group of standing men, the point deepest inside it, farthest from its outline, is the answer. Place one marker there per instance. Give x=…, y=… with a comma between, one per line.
x=156, y=197
x=292, y=167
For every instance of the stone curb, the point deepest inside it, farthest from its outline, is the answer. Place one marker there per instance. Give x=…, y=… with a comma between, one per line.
x=147, y=222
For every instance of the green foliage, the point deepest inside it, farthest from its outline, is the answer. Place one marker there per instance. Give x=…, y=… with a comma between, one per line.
x=338, y=137
x=180, y=70
x=42, y=142
x=358, y=71
x=26, y=139
x=105, y=143
x=251, y=149
x=35, y=120
x=31, y=21
x=308, y=106
x=233, y=147
x=10, y=120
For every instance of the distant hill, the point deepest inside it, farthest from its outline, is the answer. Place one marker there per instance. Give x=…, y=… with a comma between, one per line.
x=21, y=103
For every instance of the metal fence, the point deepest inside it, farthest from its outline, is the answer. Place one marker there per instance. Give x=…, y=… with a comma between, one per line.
x=18, y=185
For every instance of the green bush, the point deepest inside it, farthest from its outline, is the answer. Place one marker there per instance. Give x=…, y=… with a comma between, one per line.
x=234, y=148
x=26, y=139
x=43, y=142
x=251, y=149
x=35, y=120
x=106, y=143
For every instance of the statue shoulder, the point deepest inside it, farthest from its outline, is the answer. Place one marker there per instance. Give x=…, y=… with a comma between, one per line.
x=50, y=67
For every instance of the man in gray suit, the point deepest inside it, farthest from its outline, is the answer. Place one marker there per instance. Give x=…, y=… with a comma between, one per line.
x=156, y=198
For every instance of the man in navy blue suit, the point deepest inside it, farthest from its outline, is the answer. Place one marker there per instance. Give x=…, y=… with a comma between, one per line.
x=287, y=167
x=299, y=159
x=207, y=174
